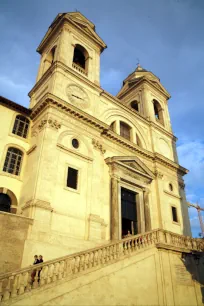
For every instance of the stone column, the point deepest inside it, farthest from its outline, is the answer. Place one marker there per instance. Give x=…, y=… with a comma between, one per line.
x=114, y=207
x=146, y=193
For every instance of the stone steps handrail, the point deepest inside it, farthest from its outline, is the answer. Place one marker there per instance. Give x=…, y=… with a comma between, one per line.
x=16, y=283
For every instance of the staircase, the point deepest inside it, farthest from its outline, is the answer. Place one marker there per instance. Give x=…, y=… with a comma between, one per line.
x=14, y=285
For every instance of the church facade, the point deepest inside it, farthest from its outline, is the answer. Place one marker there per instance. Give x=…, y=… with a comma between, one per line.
x=82, y=167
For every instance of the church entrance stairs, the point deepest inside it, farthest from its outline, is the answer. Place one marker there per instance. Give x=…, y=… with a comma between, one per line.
x=154, y=268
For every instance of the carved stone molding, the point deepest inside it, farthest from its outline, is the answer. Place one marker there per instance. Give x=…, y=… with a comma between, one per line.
x=98, y=145
x=50, y=100
x=158, y=174
x=49, y=123
x=38, y=203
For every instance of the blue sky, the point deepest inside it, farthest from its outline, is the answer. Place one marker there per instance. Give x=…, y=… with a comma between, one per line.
x=166, y=35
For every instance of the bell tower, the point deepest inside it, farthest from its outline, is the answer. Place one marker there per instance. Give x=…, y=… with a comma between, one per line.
x=70, y=46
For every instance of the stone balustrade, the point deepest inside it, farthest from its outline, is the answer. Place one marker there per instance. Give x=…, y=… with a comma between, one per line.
x=78, y=68
x=16, y=283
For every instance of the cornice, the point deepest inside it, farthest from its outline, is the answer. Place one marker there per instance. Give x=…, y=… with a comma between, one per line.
x=102, y=92
x=50, y=100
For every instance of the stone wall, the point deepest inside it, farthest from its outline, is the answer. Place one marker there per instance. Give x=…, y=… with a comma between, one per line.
x=149, y=277
x=13, y=233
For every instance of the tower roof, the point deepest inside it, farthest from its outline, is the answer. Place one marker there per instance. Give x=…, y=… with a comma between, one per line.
x=137, y=76
x=79, y=21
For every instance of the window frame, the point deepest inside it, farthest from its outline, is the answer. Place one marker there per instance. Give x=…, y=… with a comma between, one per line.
x=4, y=161
x=68, y=165
x=127, y=125
x=12, y=128
x=177, y=215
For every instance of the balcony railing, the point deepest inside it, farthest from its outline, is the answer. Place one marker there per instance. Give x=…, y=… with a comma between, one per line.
x=79, y=69
x=16, y=283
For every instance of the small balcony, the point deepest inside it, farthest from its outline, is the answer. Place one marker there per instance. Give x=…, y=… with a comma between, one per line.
x=79, y=69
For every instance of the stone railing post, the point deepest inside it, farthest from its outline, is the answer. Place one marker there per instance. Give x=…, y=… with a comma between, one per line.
x=161, y=236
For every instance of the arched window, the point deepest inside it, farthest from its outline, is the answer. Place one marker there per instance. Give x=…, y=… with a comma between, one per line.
x=135, y=105
x=80, y=59
x=139, y=143
x=5, y=202
x=125, y=130
x=21, y=126
x=13, y=161
x=158, y=112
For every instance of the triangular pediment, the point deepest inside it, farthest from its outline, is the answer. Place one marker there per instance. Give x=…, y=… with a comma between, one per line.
x=159, y=86
x=77, y=19
x=81, y=21
x=132, y=163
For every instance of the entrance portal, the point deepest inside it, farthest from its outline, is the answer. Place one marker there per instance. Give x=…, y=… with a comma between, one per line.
x=128, y=212
x=5, y=202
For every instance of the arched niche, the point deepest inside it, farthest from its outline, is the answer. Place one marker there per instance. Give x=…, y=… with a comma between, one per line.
x=67, y=138
x=13, y=200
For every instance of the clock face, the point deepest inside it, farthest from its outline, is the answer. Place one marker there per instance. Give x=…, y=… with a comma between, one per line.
x=77, y=96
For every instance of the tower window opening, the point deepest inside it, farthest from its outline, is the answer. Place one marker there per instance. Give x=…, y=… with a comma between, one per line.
x=80, y=59
x=135, y=105
x=158, y=112
x=125, y=130
x=52, y=55
x=49, y=60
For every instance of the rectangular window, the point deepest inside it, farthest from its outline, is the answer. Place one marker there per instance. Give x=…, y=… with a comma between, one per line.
x=72, y=178
x=174, y=214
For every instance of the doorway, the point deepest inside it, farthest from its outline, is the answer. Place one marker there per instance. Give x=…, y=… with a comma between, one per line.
x=128, y=212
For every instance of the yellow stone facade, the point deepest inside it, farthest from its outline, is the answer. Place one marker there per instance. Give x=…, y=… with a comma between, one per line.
x=121, y=145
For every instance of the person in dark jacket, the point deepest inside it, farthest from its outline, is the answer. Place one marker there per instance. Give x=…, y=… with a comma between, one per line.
x=40, y=261
x=36, y=261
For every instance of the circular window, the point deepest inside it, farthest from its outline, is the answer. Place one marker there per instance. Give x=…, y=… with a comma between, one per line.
x=75, y=143
x=170, y=187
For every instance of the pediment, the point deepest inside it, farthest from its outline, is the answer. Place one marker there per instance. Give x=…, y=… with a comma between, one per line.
x=159, y=86
x=79, y=20
x=133, y=164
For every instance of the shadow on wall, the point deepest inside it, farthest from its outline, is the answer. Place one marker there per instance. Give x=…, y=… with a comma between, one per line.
x=194, y=264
